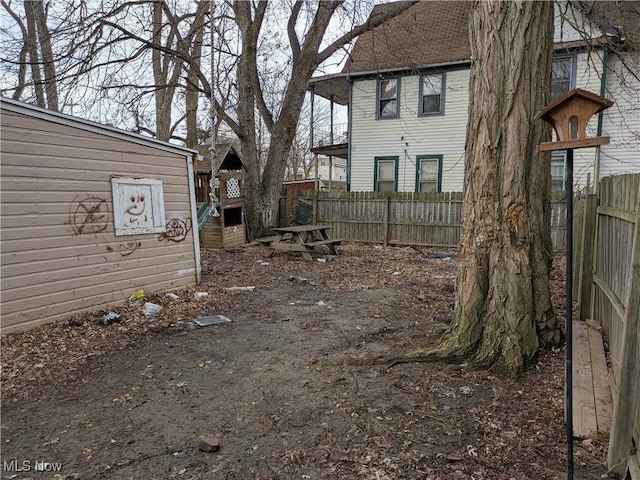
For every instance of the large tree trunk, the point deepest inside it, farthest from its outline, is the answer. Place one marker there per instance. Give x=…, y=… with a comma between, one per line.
x=193, y=82
x=265, y=194
x=34, y=58
x=48, y=61
x=166, y=72
x=503, y=313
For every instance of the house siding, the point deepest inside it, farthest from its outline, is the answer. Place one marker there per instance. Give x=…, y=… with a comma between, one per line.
x=565, y=21
x=409, y=135
x=622, y=121
x=588, y=74
x=52, y=267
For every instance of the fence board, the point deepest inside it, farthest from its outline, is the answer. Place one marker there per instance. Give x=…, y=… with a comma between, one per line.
x=615, y=305
x=405, y=218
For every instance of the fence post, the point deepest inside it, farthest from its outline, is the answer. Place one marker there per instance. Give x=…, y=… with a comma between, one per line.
x=626, y=400
x=586, y=255
x=385, y=227
x=315, y=207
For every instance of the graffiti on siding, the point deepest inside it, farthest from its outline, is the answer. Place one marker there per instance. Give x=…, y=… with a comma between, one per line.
x=136, y=215
x=138, y=206
x=127, y=248
x=89, y=215
x=177, y=230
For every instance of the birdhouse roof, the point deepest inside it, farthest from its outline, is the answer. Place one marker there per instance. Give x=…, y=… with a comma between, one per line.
x=560, y=102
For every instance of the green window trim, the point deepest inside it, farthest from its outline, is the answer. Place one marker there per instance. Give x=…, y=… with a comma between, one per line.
x=377, y=162
x=438, y=159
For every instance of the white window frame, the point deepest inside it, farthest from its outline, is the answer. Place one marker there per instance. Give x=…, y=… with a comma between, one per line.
x=560, y=157
x=151, y=217
x=571, y=59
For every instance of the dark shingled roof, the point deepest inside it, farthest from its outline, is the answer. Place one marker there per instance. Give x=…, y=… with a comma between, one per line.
x=434, y=32
x=430, y=32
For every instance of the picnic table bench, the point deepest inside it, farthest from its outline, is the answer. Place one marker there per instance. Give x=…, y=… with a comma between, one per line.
x=301, y=238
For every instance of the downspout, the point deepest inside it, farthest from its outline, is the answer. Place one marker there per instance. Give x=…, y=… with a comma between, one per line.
x=603, y=86
x=349, y=135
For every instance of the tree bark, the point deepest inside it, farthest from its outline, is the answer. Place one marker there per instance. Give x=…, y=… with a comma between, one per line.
x=31, y=43
x=166, y=72
x=191, y=89
x=503, y=313
x=48, y=60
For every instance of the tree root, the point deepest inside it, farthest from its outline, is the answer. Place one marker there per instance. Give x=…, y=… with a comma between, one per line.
x=416, y=356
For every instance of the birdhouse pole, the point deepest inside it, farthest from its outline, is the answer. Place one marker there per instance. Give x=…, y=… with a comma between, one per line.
x=569, y=116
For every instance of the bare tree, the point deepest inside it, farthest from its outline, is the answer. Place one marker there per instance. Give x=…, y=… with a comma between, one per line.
x=125, y=52
x=306, y=53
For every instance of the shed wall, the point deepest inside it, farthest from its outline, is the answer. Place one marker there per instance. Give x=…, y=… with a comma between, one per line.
x=59, y=252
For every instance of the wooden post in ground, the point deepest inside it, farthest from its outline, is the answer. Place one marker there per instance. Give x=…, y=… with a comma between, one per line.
x=578, y=252
x=315, y=207
x=586, y=260
x=628, y=388
x=385, y=226
x=331, y=171
x=315, y=167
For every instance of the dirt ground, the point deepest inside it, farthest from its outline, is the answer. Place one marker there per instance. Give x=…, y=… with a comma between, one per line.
x=131, y=399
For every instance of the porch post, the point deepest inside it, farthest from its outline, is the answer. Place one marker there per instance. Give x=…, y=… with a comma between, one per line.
x=313, y=97
x=330, y=171
x=331, y=122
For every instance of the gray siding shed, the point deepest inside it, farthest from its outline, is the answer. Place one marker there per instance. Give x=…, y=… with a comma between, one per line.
x=59, y=252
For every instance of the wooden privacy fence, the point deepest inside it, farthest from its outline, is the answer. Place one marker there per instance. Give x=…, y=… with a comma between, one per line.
x=615, y=304
x=400, y=218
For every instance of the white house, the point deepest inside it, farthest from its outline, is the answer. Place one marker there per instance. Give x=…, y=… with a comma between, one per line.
x=406, y=88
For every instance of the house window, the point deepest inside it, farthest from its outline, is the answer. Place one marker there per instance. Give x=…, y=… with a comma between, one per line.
x=558, y=158
x=431, y=94
x=429, y=173
x=386, y=174
x=138, y=206
x=562, y=76
x=388, y=98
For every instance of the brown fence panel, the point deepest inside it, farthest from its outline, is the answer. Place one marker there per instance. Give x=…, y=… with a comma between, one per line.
x=405, y=218
x=616, y=306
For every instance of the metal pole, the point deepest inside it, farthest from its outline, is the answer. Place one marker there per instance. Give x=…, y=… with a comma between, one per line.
x=569, y=317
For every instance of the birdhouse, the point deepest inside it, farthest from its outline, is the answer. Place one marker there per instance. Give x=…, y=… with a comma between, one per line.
x=569, y=116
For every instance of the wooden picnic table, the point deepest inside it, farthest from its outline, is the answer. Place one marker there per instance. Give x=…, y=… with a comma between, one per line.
x=302, y=238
